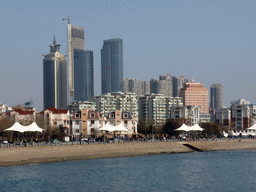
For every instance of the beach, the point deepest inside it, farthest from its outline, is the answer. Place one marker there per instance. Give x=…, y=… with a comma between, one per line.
x=47, y=154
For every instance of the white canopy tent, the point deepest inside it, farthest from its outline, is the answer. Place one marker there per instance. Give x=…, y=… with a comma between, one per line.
x=107, y=127
x=197, y=128
x=184, y=127
x=252, y=127
x=33, y=127
x=17, y=127
x=120, y=127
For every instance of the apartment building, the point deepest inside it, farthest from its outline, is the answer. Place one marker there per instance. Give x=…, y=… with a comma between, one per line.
x=154, y=108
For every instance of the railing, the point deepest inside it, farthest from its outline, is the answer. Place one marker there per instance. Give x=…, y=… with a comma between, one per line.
x=42, y=144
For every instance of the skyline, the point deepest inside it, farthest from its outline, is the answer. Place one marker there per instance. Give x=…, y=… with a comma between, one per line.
x=209, y=41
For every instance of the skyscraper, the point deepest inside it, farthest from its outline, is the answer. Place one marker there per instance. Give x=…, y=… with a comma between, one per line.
x=195, y=94
x=75, y=41
x=55, y=78
x=112, y=66
x=84, y=78
x=216, y=96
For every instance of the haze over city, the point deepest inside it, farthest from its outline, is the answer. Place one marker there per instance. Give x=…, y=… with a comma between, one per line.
x=208, y=41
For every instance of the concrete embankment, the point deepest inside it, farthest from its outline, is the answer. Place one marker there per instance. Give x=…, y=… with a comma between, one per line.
x=46, y=154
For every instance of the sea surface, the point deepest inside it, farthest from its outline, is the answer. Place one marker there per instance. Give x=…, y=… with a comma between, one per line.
x=208, y=171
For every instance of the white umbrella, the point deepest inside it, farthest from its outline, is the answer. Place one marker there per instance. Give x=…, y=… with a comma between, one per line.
x=17, y=127
x=184, y=127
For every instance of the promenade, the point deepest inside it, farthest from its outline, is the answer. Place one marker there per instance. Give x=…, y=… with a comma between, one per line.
x=46, y=154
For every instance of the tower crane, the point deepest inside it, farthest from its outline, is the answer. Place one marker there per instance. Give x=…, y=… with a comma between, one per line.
x=69, y=18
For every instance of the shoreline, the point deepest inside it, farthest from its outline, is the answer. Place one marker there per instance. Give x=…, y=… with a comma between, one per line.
x=50, y=154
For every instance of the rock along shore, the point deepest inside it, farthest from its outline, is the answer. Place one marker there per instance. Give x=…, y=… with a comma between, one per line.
x=46, y=154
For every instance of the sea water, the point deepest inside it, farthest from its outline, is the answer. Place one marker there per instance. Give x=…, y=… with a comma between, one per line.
x=208, y=171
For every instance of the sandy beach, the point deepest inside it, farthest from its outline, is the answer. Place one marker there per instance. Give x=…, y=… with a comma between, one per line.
x=47, y=154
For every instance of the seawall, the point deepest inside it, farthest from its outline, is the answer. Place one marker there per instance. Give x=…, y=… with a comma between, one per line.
x=47, y=154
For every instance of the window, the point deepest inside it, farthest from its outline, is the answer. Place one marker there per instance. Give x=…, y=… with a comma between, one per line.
x=55, y=123
x=77, y=115
x=111, y=116
x=125, y=122
x=125, y=115
x=76, y=130
x=92, y=115
x=77, y=122
x=92, y=122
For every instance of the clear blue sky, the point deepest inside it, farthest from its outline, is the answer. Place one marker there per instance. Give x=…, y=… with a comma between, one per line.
x=212, y=41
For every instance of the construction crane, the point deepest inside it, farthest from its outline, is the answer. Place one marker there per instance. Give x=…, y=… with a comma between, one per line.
x=69, y=18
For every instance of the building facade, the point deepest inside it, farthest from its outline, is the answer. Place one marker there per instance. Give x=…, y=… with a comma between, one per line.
x=191, y=113
x=136, y=86
x=55, y=78
x=243, y=114
x=123, y=117
x=195, y=94
x=85, y=123
x=21, y=116
x=223, y=116
x=112, y=66
x=53, y=117
x=216, y=96
x=117, y=101
x=75, y=41
x=78, y=106
x=162, y=86
x=84, y=75
x=155, y=108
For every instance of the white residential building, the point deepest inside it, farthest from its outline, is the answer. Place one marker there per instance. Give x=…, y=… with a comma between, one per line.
x=155, y=108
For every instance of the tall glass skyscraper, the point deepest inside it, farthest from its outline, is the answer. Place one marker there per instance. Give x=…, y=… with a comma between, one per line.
x=84, y=78
x=112, y=66
x=55, y=78
x=75, y=41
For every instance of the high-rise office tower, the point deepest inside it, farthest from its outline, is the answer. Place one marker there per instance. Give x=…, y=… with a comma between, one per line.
x=75, y=41
x=112, y=66
x=55, y=78
x=84, y=78
x=216, y=96
x=195, y=94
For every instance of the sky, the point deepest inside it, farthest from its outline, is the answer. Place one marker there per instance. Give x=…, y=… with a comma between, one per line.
x=210, y=41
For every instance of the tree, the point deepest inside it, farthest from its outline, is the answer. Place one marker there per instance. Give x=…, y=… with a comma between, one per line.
x=5, y=123
x=211, y=129
x=143, y=127
x=170, y=126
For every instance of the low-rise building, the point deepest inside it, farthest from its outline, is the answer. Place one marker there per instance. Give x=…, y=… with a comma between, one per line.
x=4, y=108
x=85, y=123
x=53, y=117
x=123, y=117
x=21, y=116
x=243, y=114
x=191, y=113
